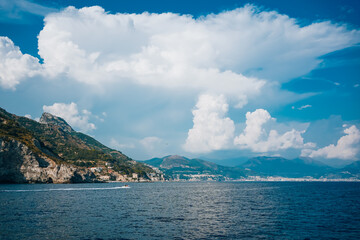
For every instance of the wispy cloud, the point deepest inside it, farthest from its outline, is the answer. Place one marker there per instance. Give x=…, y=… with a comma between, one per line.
x=305, y=106
x=18, y=9
x=151, y=143
x=302, y=107
x=115, y=144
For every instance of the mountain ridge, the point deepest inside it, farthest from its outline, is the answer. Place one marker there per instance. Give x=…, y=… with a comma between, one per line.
x=53, y=144
x=279, y=166
x=48, y=118
x=182, y=168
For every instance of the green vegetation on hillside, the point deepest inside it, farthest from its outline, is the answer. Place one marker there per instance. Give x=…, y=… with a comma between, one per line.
x=71, y=147
x=184, y=168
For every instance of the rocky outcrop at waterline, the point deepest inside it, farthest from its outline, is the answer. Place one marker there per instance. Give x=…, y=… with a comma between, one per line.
x=19, y=164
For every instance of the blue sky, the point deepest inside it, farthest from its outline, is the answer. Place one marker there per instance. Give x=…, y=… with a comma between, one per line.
x=210, y=79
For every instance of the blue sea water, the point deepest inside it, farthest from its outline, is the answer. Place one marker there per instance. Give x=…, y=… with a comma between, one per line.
x=188, y=210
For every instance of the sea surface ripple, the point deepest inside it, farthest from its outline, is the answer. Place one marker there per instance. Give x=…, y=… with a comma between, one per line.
x=188, y=210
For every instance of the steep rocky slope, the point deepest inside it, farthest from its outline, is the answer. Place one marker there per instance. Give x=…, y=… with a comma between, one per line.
x=51, y=151
x=19, y=164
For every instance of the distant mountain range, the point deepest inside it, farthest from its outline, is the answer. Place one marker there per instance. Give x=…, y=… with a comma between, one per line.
x=350, y=171
x=182, y=168
x=51, y=151
x=278, y=166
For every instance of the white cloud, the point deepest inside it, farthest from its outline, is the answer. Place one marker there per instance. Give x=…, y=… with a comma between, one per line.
x=347, y=146
x=238, y=54
x=256, y=138
x=211, y=130
x=15, y=66
x=70, y=113
x=18, y=9
x=119, y=146
x=150, y=143
x=305, y=106
x=217, y=54
x=212, y=53
x=30, y=117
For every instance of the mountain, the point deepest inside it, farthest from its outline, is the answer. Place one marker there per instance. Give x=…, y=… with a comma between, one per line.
x=51, y=151
x=229, y=162
x=182, y=168
x=350, y=171
x=278, y=166
x=353, y=168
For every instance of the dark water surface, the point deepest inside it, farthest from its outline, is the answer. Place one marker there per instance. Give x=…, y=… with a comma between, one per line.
x=202, y=210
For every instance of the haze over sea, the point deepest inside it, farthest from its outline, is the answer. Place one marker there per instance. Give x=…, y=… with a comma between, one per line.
x=173, y=210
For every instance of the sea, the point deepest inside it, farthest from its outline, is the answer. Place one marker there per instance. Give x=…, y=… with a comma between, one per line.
x=181, y=210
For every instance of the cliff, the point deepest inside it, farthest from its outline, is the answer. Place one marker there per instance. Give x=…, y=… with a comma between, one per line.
x=19, y=164
x=47, y=118
x=50, y=151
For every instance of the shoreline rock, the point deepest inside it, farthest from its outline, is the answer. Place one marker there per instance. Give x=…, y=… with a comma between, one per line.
x=19, y=164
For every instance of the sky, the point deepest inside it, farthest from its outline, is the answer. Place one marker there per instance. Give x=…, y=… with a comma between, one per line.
x=215, y=80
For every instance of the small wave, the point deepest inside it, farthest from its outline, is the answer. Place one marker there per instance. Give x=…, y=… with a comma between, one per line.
x=63, y=189
x=259, y=188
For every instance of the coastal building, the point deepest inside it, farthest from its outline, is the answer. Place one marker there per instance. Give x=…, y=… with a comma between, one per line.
x=105, y=177
x=96, y=169
x=135, y=175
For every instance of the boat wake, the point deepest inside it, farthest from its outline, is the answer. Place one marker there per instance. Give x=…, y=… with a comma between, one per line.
x=63, y=189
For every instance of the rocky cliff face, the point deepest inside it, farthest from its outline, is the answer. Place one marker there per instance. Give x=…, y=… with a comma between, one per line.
x=19, y=164
x=47, y=118
x=52, y=152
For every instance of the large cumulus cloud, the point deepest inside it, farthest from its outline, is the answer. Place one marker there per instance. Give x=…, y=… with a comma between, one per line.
x=218, y=53
x=211, y=130
x=346, y=148
x=256, y=138
x=14, y=65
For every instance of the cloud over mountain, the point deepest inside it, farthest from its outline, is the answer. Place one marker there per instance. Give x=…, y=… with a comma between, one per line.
x=211, y=130
x=347, y=147
x=71, y=114
x=256, y=138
